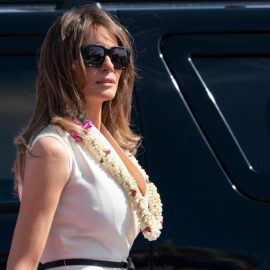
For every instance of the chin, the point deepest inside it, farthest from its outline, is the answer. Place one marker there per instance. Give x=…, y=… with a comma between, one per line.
x=110, y=97
x=108, y=94
x=101, y=94
x=105, y=95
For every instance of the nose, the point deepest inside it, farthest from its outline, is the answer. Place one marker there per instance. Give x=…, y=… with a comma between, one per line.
x=107, y=64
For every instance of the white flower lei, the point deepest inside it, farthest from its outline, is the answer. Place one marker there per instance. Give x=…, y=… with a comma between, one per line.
x=149, y=215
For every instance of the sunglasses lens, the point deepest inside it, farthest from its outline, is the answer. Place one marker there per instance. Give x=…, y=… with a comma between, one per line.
x=119, y=58
x=93, y=56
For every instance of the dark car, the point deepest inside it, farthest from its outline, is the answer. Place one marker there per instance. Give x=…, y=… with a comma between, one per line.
x=202, y=104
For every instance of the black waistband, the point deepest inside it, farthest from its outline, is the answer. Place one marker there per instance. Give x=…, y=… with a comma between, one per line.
x=125, y=264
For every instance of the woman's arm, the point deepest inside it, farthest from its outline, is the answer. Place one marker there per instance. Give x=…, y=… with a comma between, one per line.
x=46, y=173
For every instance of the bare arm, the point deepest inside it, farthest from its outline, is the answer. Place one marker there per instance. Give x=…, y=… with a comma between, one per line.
x=46, y=174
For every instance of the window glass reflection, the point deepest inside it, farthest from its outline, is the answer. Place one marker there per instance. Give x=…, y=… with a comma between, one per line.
x=241, y=88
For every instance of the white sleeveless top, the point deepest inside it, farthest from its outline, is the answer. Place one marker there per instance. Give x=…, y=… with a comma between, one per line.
x=94, y=218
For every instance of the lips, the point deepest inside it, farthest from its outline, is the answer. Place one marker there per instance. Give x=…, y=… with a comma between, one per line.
x=106, y=80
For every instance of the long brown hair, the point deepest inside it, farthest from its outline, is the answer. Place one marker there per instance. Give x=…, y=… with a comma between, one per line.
x=57, y=91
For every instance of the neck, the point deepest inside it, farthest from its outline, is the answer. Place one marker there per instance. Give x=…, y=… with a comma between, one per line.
x=93, y=113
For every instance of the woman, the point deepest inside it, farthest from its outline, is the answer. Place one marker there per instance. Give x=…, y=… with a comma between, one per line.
x=84, y=198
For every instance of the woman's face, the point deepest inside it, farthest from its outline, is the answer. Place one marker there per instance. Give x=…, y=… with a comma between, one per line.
x=100, y=83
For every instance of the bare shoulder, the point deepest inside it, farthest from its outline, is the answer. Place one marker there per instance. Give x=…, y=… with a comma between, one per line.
x=48, y=147
x=47, y=162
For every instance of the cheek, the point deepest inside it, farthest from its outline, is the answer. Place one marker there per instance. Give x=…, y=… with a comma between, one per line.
x=118, y=75
x=90, y=78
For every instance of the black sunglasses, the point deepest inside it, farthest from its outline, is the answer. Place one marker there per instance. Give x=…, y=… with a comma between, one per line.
x=94, y=56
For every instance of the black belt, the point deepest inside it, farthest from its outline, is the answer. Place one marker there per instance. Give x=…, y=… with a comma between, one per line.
x=125, y=264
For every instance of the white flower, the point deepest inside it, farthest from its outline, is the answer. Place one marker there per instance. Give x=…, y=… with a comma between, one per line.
x=149, y=214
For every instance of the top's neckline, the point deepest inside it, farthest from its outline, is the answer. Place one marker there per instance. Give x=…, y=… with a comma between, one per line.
x=127, y=162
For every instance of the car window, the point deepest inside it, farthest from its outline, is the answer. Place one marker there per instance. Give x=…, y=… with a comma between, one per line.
x=240, y=89
x=224, y=79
